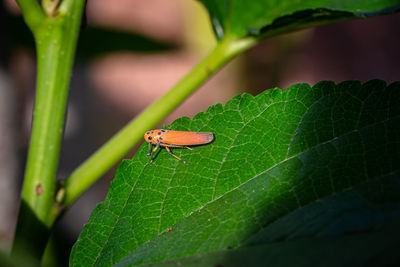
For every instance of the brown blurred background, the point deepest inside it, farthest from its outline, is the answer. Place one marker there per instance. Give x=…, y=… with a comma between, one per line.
x=131, y=52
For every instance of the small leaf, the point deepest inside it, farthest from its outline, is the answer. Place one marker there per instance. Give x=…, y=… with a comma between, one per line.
x=284, y=165
x=240, y=18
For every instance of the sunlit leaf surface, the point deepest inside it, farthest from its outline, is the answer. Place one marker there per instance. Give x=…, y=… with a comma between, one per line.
x=309, y=162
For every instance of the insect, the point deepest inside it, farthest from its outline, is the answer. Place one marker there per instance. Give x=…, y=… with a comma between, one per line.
x=178, y=139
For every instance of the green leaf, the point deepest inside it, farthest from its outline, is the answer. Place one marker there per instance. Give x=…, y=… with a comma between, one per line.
x=94, y=42
x=240, y=18
x=283, y=166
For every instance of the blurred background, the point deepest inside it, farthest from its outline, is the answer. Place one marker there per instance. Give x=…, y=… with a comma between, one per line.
x=130, y=52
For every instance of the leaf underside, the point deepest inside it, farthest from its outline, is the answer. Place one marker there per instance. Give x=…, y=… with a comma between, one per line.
x=240, y=18
x=307, y=163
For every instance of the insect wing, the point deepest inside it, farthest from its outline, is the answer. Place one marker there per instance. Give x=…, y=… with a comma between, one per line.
x=183, y=138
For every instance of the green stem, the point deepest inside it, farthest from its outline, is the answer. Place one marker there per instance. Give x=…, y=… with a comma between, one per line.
x=32, y=12
x=55, y=45
x=104, y=158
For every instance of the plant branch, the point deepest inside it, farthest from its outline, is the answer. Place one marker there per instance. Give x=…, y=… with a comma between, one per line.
x=104, y=158
x=32, y=12
x=55, y=40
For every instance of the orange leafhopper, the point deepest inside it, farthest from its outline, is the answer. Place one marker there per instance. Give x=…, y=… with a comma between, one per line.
x=178, y=139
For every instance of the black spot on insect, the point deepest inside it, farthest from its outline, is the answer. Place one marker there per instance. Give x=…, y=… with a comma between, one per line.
x=152, y=131
x=148, y=133
x=159, y=133
x=150, y=138
x=163, y=131
x=160, y=138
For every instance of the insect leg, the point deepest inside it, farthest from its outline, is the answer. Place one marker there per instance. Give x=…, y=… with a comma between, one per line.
x=152, y=153
x=149, y=150
x=190, y=148
x=175, y=156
